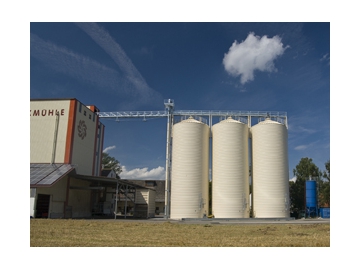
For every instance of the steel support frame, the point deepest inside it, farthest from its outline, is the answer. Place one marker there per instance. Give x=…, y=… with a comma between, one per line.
x=169, y=113
x=168, y=164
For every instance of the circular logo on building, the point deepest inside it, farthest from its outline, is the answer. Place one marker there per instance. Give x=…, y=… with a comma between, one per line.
x=82, y=129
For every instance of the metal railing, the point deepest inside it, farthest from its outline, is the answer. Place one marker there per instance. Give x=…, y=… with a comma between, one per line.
x=130, y=114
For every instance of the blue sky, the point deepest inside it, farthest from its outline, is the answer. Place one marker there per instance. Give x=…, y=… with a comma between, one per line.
x=202, y=66
x=185, y=63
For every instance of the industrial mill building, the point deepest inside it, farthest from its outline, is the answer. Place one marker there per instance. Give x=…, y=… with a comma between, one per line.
x=66, y=142
x=249, y=163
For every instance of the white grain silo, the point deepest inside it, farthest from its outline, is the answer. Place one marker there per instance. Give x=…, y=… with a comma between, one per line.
x=270, y=175
x=190, y=170
x=230, y=169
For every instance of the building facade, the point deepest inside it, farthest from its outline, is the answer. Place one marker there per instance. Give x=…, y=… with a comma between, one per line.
x=66, y=131
x=66, y=140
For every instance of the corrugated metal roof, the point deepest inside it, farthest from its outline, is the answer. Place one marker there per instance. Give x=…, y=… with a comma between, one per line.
x=44, y=174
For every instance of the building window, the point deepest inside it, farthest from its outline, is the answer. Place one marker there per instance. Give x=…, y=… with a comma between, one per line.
x=90, y=116
x=149, y=183
x=80, y=108
x=84, y=112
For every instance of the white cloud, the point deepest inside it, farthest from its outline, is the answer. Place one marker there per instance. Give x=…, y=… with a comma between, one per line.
x=293, y=179
x=325, y=57
x=126, y=82
x=107, y=149
x=254, y=53
x=113, y=49
x=143, y=173
x=307, y=123
x=77, y=66
x=301, y=147
x=297, y=128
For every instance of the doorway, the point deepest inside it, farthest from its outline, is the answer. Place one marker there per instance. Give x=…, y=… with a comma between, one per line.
x=42, y=206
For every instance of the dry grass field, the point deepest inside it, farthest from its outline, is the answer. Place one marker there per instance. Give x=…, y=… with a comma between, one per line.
x=110, y=233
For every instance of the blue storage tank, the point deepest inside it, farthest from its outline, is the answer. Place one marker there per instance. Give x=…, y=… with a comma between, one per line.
x=325, y=212
x=311, y=198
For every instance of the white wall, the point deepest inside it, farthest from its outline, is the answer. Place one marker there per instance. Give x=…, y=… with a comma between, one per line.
x=80, y=199
x=85, y=133
x=42, y=127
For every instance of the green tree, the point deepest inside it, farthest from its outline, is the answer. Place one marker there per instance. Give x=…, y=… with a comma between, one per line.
x=303, y=171
x=324, y=187
x=109, y=162
x=327, y=171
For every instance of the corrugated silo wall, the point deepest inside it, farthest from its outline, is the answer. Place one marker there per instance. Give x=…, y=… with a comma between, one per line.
x=270, y=170
x=230, y=170
x=190, y=170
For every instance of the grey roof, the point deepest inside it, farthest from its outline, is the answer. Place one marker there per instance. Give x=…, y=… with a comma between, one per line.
x=105, y=172
x=45, y=174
